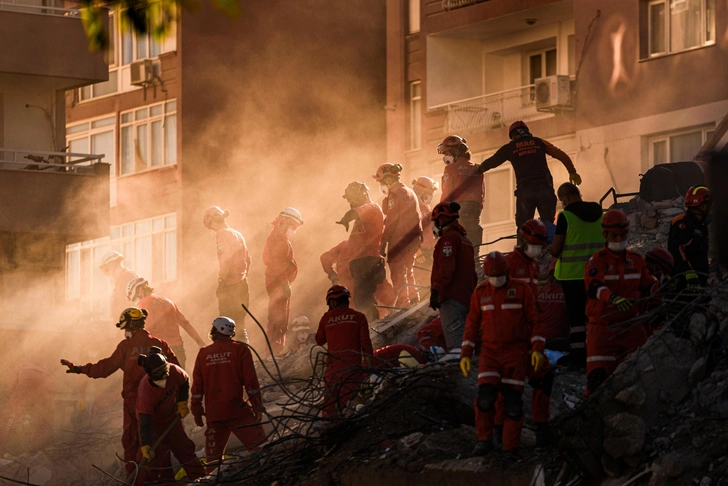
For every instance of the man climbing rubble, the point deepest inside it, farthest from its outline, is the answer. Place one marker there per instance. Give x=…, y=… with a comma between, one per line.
x=224, y=371
x=234, y=260
x=615, y=279
x=534, y=184
x=112, y=265
x=688, y=240
x=164, y=319
x=425, y=188
x=137, y=341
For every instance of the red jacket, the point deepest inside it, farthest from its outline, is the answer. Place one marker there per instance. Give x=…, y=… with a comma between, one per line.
x=461, y=181
x=119, y=302
x=609, y=273
x=428, y=239
x=523, y=269
x=336, y=260
x=165, y=319
x=388, y=356
x=347, y=333
x=233, y=255
x=125, y=358
x=552, y=321
x=161, y=403
x=366, y=234
x=501, y=318
x=453, y=270
x=278, y=257
x=402, y=208
x=223, y=370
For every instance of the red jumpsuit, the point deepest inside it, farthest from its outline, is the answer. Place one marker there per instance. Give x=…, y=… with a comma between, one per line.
x=388, y=356
x=606, y=274
x=280, y=271
x=347, y=333
x=403, y=235
x=156, y=408
x=223, y=370
x=26, y=421
x=232, y=288
x=431, y=334
x=336, y=261
x=125, y=358
x=462, y=183
x=552, y=305
x=119, y=302
x=502, y=320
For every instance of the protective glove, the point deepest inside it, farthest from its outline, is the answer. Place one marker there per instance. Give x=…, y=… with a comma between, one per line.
x=622, y=304
x=147, y=452
x=350, y=216
x=383, y=249
x=286, y=290
x=537, y=360
x=434, y=299
x=692, y=280
x=575, y=178
x=420, y=257
x=465, y=366
x=71, y=367
x=334, y=278
x=182, y=409
x=258, y=414
x=481, y=168
x=198, y=421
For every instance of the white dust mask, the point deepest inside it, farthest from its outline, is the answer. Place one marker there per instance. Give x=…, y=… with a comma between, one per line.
x=290, y=232
x=498, y=281
x=532, y=251
x=160, y=383
x=618, y=246
x=427, y=199
x=448, y=159
x=383, y=189
x=127, y=334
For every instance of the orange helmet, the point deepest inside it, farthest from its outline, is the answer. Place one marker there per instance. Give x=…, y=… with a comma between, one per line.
x=445, y=208
x=534, y=231
x=452, y=142
x=495, y=264
x=696, y=196
x=212, y=213
x=386, y=170
x=515, y=126
x=425, y=184
x=662, y=258
x=615, y=221
x=336, y=292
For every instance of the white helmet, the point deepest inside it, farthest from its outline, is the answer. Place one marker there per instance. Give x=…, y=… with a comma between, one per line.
x=293, y=214
x=133, y=285
x=300, y=323
x=110, y=256
x=224, y=325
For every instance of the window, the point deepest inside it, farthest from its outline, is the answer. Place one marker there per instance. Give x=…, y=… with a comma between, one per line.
x=415, y=115
x=94, y=137
x=112, y=85
x=677, y=147
x=149, y=137
x=676, y=25
x=414, y=17
x=541, y=64
x=84, y=281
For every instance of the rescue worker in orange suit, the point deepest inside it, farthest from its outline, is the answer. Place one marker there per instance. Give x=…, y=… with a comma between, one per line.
x=366, y=264
x=431, y=334
x=280, y=272
x=223, y=371
x=234, y=259
x=164, y=318
x=112, y=265
x=402, y=232
x=688, y=239
x=425, y=188
x=335, y=263
x=137, y=341
x=162, y=397
x=463, y=183
x=534, y=184
x=453, y=274
x=346, y=332
x=614, y=277
x=502, y=317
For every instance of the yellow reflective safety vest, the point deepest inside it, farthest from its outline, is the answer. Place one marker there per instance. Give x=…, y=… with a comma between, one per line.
x=583, y=238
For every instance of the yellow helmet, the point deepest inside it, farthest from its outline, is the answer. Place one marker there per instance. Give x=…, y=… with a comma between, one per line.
x=132, y=319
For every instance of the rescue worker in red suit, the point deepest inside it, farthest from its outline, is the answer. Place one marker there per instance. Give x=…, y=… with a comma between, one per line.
x=688, y=240
x=137, y=341
x=366, y=264
x=431, y=334
x=425, y=188
x=463, y=183
x=234, y=259
x=551, y=302
x=389, y=356
x=502, y=317
x=161, y=404
x=346, y=332
x=280, y=272
x=335, y=263
x=223, y=372
x=164, y=319
x=453, y=274
x=614, y=278
x=113, y=267
x=534, y=184
x=402, y=233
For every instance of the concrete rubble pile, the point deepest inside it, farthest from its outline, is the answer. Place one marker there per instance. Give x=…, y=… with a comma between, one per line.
x=650, y=222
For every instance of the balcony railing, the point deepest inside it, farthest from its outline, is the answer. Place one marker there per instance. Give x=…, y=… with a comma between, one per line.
x=23, y=7
x=495, y=110
x=36, y=160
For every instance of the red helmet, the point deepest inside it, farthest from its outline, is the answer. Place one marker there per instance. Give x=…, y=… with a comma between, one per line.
x=615, y=221
x=534, y=231
x=336, y=292
x=445, y=208
x=661, y=257
x=425, y=184
x=495, y=264
x=696, y=196
x=515, y=125
x=387, y=169
x=451, y=142
x=211, y=213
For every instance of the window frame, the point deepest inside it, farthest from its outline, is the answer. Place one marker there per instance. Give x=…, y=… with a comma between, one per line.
x=148, y=120
x=706, y=130
x=414, y=17
x=91, y=131
x=415, y=128
x=667, y=40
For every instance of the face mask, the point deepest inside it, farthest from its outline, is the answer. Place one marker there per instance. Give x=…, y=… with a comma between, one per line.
x=383, y=189
x=213, y=233
x=618, y=246
x=160, y=383
x=436, y=231
x=427, y=199
x=290, y=232
x=448, y=159
x=532, y=251
x=127, y=334
x=498, y=281
x=302, y=336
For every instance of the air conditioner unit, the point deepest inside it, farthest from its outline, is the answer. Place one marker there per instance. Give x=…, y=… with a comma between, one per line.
x=142, y=72
x=553, y=92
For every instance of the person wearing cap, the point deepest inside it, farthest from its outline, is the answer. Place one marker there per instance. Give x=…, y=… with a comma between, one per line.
x=112, y=265
x=125, y=356
x=234, y=259
x=299, y=334
x=280, y=272
x=223, y=373
x=688, y=241
x=164, y=319
x=346, y=332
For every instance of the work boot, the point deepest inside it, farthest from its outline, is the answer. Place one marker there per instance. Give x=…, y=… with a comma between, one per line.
x=483, y=447
x=543, y=437
x=498, y=437
x=510, y=457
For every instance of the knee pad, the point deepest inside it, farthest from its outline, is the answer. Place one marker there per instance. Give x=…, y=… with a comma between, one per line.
x=546, y=383
x=513, y=405
x=487, y=395
x=595, y=378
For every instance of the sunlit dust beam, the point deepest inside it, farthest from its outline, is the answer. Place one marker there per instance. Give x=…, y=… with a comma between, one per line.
x=618, y=71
